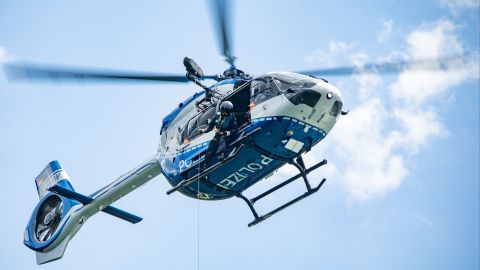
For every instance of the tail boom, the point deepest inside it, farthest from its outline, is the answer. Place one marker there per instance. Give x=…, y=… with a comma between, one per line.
x=76, y=208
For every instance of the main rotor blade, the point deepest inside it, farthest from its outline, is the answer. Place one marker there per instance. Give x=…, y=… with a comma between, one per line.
x=22, y=72
x=222, y=17
x=386, y=67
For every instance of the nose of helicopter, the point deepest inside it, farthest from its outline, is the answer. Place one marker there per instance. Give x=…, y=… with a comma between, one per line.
x=308, y=90
x=324, y=87
x=322, y=103
x=308, y=98
x=329, y=106
x=319, y=95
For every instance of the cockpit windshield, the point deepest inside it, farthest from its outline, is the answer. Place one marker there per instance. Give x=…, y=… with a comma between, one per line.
x=268, y=86
x=285, y=82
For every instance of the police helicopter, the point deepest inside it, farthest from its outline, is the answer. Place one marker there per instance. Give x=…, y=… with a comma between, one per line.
x=279, y=117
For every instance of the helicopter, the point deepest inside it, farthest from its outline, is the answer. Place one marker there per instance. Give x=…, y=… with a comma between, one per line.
x=281, y=116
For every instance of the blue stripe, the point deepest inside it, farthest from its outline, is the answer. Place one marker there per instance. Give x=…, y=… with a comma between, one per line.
x=55, y=165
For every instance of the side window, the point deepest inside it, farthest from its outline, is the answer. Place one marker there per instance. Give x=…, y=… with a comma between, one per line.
x=205, y=118
x=198, y=122
x=192, y=126
x=163, y=137
x=181, y=135
x=336, y=108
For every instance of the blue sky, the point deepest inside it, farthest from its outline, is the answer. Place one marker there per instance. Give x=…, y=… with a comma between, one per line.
x=402, y=188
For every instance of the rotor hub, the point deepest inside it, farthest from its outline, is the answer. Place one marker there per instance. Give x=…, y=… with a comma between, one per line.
x=49, y=218
x=233, y=73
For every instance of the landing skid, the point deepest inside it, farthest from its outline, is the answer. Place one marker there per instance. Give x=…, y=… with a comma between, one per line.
x=298, y=163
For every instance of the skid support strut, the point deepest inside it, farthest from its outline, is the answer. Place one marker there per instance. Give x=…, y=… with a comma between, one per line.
x=250, y=202
x=299, y=164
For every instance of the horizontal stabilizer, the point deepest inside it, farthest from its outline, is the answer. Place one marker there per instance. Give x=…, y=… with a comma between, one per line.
x=87, y=200
x=70, y=194
x=122, y=214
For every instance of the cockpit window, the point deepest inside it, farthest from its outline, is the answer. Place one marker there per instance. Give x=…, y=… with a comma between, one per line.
x=266, y=87
x=307, y=97
x=336, y=108
x=284, y=82
x=263, y=88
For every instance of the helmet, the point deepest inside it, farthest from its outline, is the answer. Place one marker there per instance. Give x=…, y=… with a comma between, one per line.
x=226, y=107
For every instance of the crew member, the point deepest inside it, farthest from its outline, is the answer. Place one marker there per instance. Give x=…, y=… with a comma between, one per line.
x=225, y=125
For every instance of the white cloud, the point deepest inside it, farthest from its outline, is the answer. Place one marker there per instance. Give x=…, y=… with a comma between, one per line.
x=3, y=55
x=327, y=57
x=433, y=41
x=419, y=125
x=371, y=165
x=367, y=82
x=369, y=146
x=457, y=5
x=3, y=59
x=385, y=34
x=424, y=220
x=339, y=46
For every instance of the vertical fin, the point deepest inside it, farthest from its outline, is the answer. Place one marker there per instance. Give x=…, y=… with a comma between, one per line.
x=50, y=176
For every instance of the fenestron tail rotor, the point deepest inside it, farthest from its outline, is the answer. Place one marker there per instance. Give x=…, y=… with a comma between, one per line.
x=48, y=218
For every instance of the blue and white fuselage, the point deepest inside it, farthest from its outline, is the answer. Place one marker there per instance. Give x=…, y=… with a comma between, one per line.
x=292, y=119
